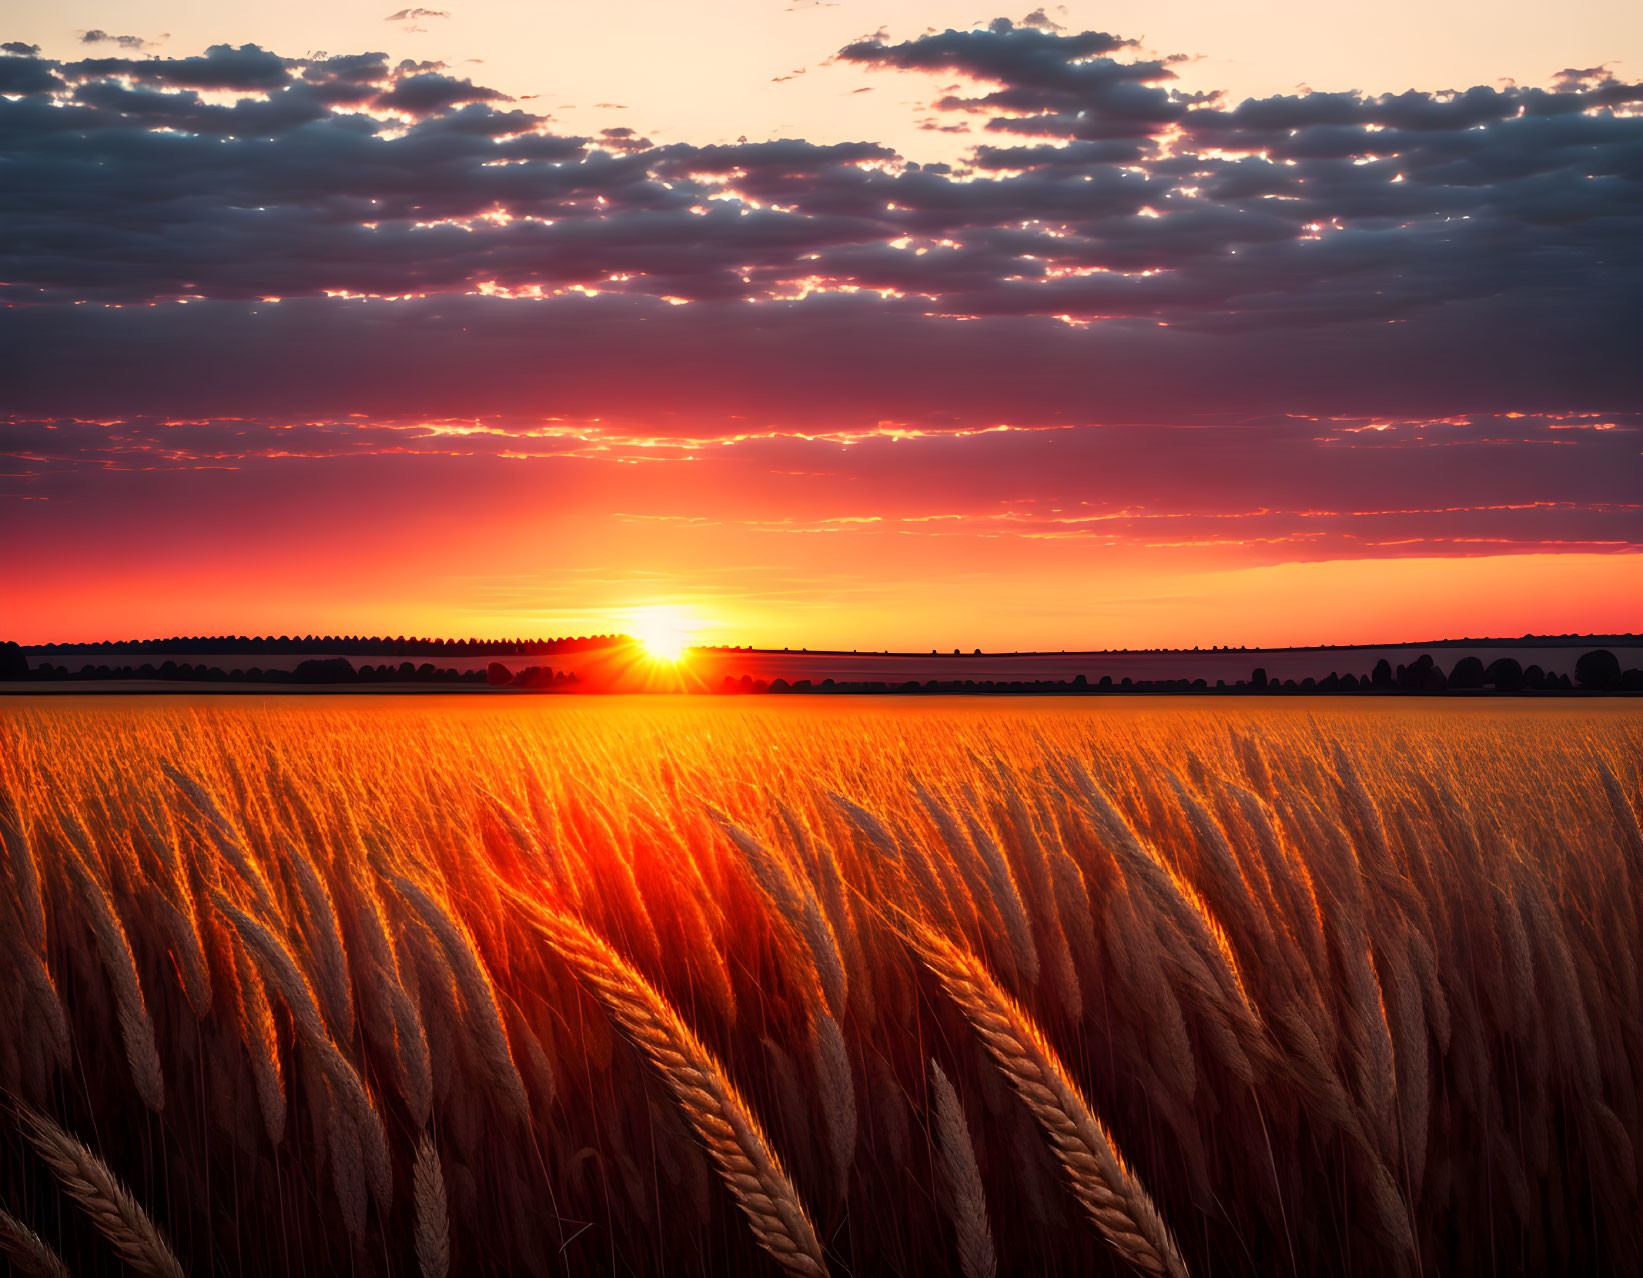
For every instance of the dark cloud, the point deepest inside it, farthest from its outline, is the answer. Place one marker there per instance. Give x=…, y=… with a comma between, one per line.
x=103, y=37
x=429, y=93
x=247, y=69
x=1127, y=198
x=829, y=361
x=623, y=139
x=18, y=47
x=24, y=75
x=1329, y=294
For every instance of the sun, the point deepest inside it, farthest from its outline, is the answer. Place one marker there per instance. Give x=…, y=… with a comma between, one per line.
x=663, y=631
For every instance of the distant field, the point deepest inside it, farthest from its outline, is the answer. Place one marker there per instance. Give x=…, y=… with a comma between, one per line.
x=720, y=986
x=1296, y=663
x=708, y=668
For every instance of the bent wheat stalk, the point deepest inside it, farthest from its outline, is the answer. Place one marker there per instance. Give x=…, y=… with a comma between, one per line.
x=109, y=1204
x=1095, y=1173
x=708, y=1099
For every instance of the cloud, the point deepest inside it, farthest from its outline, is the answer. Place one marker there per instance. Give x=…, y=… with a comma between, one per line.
x=123, y=41
x=1573, y=79
x=412, y=15
x=429, y=93
x=1038, y=18
x=19, y=48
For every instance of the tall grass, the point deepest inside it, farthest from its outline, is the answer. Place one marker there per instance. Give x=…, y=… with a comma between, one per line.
x=684, y=988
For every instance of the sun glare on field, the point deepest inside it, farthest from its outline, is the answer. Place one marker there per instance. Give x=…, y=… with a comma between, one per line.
x=663, y=631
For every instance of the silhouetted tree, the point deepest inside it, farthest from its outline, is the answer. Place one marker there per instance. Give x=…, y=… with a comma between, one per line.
x=1504, y=674
x=1414, y=676
x=1598, y=669
x=1468, y=673
x=1258, y=678
x=14, y=664
x=1381, y=676
x=324, y=670
x=498, y=675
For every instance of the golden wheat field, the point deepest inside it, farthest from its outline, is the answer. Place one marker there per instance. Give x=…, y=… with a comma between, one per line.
x=696, y=986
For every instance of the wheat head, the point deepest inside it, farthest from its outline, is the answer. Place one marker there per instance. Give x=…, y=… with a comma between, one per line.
x=110, y=1205
x=728, y=1130
x=1095, y=1173
x=433, y=1220
x=958, y=1169
x=28, y=1252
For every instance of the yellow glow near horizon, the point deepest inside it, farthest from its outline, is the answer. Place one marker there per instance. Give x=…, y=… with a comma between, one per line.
x=663, y=630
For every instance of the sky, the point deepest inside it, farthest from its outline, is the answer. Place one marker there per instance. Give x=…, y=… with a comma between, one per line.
x=881, y=325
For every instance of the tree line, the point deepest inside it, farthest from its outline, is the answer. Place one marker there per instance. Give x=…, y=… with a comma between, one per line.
x=335, y=645
x=1595, y=671
x=1598, y=670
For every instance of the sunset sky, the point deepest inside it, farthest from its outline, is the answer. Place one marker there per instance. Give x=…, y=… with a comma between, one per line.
x=834, y=325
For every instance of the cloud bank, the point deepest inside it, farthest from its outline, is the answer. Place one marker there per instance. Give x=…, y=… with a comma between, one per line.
x=1312, y=325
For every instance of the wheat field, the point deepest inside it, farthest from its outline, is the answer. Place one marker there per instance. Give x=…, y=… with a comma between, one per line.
x=689, y=986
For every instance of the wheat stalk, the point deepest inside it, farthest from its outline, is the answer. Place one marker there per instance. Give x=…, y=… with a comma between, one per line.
x=478, y=996
x=277, y=965
x=798, y=905
x=324, y=936
x=109, y=1204
x=1095, y=1173
x=708, y=1099
x=136, y=1029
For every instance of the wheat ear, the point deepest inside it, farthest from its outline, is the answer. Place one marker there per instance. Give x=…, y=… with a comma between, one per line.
x=88, y=1180
x=709, y=1101
x=28, y=1252
x=25, y=874
x=976, y=1254
x=1095, y=1173
x=433, y=1220
x=478, y=995
x=282, y=973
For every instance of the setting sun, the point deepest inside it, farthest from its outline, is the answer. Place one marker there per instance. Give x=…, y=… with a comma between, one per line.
x=663, y=631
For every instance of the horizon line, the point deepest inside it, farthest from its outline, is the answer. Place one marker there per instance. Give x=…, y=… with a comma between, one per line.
x=616, y=638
